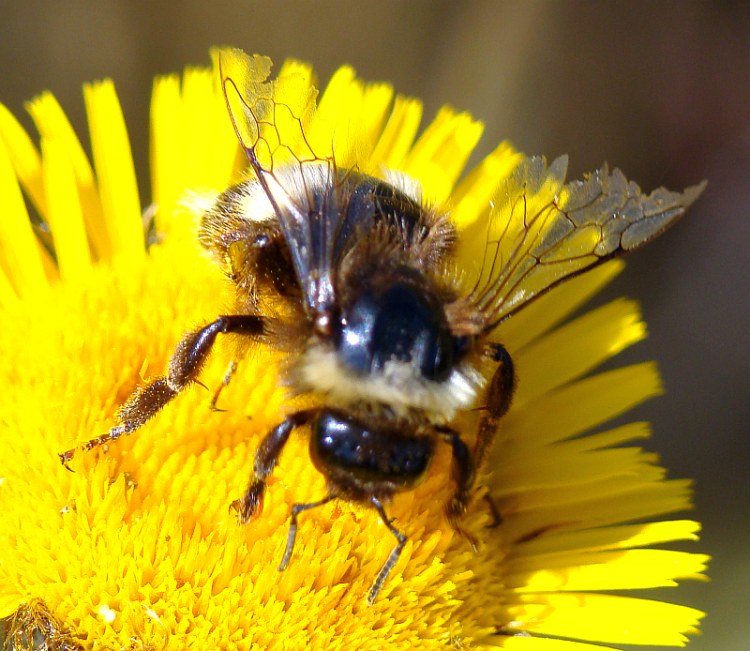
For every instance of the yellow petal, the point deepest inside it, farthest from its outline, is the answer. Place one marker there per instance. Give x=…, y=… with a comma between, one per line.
x=397, y=136
x=114, y=170
x=64, y=213
x=52, y=124
x=472, y=198
x=528, y=643
x=168, y=137
x=622, y=537
x=551, y=308
x=25, y=158
x=577, y=348
x=20, y=259
x=441, y=152
x=608, y=619
x=584, y=404
x=621, y=570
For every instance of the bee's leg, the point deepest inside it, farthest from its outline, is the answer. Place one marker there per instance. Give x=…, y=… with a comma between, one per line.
x=392, y=557
x=184, y=366
x=241, y=347
x=266, y=456
x=462, y=473
x=497, y=401
x=228, y=375
x=296, y=510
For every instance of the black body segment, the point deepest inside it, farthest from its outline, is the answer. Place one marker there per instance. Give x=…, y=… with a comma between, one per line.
x=355, y=455
x=371, y=201
x=401, y=322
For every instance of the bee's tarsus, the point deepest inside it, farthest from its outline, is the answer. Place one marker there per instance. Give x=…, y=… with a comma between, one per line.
x=66, y=457
x=392, y=557
x=251, y=503
x=468, y=537
x=292, y=536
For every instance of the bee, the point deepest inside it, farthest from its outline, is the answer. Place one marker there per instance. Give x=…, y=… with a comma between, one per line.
x=353, y=278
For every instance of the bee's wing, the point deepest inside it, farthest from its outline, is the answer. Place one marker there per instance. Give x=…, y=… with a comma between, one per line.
x=543, y=231
x=269, y=117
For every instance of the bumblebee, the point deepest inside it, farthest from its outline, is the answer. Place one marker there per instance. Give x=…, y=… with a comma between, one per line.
x=353, y=277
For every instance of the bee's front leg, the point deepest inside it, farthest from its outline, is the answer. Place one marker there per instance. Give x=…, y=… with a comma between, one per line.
x=185, y=364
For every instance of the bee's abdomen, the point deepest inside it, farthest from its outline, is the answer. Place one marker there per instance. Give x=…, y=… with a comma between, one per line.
x=352, y=453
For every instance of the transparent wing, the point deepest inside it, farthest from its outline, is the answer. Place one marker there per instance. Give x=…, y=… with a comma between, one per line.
x=543, y=231
x=270, y=117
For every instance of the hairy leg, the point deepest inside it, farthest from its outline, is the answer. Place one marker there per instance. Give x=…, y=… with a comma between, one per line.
x=185, y=364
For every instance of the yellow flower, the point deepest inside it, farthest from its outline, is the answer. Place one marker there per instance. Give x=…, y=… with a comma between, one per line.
x=137, y=549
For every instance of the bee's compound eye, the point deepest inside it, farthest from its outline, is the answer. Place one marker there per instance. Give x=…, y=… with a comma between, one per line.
x=402, y=323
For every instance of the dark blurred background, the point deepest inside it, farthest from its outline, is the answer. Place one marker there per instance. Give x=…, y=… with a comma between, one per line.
x=660, y=89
